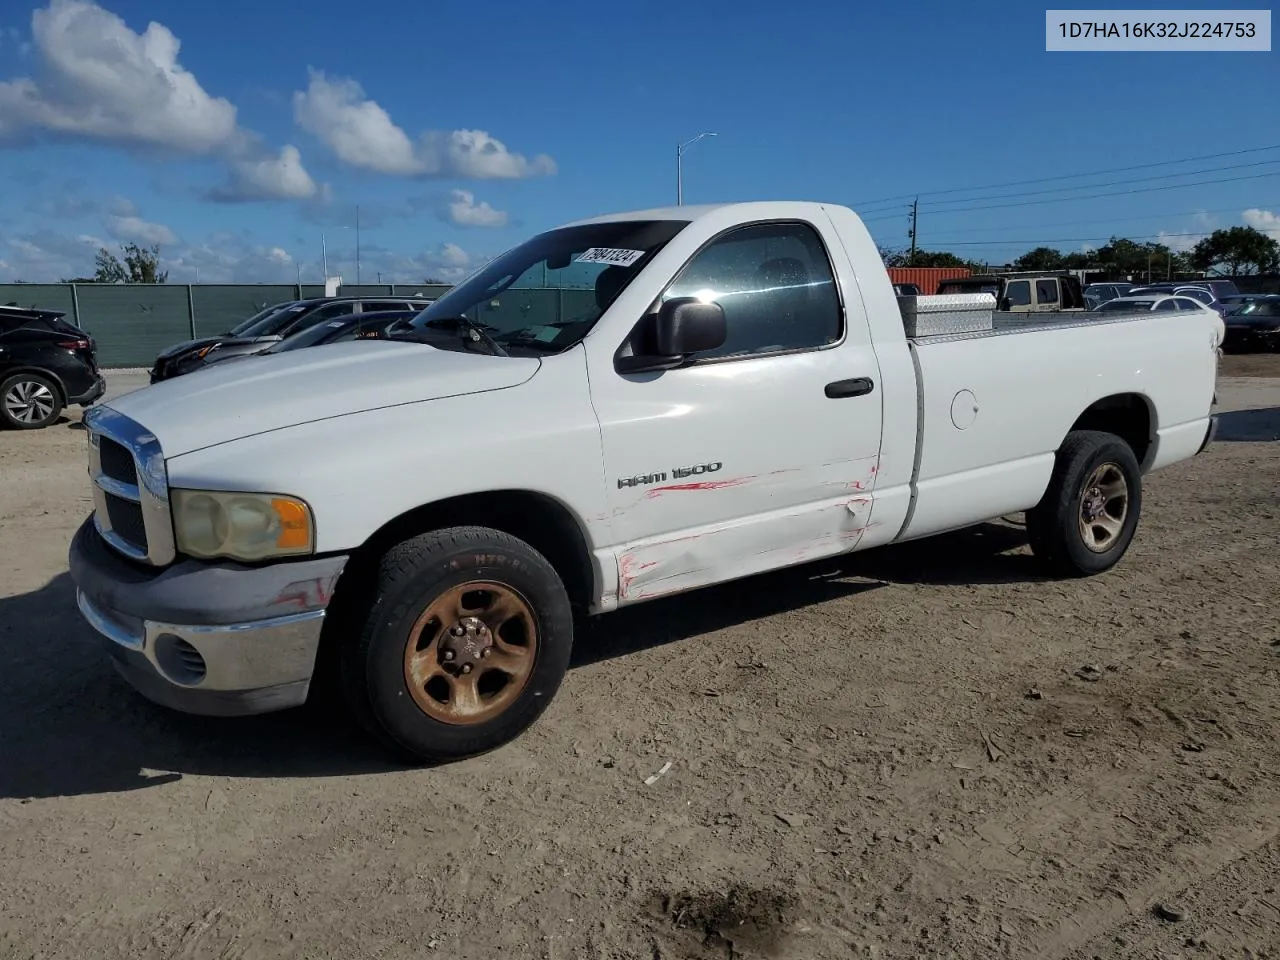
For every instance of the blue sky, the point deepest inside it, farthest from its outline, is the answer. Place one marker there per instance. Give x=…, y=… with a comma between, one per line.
x=235, y=134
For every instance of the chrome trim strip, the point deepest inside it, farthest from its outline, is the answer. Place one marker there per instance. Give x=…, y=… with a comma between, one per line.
x=288, y=620
x=118, y=543
x=125, y=491
x=113, y=631
x=152, y=488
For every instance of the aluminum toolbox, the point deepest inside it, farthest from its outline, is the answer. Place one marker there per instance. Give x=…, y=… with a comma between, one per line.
x=947, y=313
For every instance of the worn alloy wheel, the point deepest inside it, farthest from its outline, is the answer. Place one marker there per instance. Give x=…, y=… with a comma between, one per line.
x=29, y=401
x=466, y=642
x=1104, y=506
x=1087, y=517
x=471, y=652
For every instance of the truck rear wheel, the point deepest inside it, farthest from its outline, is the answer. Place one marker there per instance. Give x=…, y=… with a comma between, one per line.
x=467, y=641
x=1088, y=516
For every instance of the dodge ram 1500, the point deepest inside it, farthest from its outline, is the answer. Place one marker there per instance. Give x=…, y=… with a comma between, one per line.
x=619, y=409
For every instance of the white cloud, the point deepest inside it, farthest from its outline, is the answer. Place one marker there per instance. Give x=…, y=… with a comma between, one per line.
x=281, y=177
x=235, y=257
x=363, y=135
x=1185, y=238
x=135, y=229
x=463, y=211
x=119, y=206
x=1266, y=221
x=359, y=131
x=48, y=257
x=100, y=80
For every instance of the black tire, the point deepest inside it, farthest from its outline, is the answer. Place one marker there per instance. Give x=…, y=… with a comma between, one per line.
x=29, y=395
x=1054, y=526
x=413, y=576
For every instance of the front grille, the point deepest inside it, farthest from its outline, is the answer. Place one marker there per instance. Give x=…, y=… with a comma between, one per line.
x=130, y=489
x=117, y=462
x=126, y=521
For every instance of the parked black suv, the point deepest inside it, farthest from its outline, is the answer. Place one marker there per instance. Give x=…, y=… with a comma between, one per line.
x=45, y=365
x=272, y=325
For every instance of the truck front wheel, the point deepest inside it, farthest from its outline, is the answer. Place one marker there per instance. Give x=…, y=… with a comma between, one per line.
x=1087, y=518
x=467, y=641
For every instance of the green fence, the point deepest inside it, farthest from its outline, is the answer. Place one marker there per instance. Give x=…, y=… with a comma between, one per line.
x=133, y=322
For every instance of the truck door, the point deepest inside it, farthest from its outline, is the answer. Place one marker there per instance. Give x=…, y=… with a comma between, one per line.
x=1017, y=296
x=760, y=453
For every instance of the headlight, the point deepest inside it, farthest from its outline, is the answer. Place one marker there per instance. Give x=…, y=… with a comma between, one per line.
x=243, y=526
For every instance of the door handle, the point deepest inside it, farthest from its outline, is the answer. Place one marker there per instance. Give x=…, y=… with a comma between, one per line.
x=857, y=387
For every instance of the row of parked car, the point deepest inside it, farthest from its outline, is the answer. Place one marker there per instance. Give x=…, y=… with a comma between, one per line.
x=1252, y=319
x=291, y=325
x=48, y=363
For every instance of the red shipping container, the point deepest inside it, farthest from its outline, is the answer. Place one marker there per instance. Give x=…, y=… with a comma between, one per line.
x=926, y=278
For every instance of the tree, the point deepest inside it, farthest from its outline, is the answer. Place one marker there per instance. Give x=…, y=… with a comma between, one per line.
x=1236, y=251
x=141, y=265
x=436, y=282
x=108, y=268
x=1041, y=258
x=936, y=258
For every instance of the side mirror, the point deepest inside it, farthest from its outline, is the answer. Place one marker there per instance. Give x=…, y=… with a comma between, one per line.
x=687, y=325
x=682, y=326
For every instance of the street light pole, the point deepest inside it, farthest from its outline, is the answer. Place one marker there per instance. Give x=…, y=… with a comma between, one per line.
x=680, y=148
x=357, y=244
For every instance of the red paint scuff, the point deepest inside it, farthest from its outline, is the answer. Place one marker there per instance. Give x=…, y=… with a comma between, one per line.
x=703, y=485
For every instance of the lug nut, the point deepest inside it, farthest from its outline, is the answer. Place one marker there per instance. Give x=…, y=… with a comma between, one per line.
x=466, y=668
x=479, y=654
x=458, y=630
x=448, y=654
x=485, y=652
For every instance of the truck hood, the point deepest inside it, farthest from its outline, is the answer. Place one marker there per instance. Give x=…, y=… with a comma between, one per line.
x=258, y=394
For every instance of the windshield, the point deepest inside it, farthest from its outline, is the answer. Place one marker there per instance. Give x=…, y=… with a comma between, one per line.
x=1112, y=306
x=546, y=294
x=237, y=330
x=266, y=324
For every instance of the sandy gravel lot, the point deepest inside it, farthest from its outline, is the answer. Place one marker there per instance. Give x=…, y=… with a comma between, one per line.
x=919, y=751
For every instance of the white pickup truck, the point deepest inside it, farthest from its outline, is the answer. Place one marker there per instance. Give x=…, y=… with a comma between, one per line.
x=619, y=409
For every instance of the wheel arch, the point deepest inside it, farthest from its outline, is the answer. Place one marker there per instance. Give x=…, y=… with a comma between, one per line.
x=540, y=520
x=1130, y=416
x=40, y=372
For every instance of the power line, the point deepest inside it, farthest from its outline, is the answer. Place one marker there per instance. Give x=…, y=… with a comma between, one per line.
x=1111, y=220
x=1068, y=176
x=1111, y=183
x=1091, y=196
x=1148, y=236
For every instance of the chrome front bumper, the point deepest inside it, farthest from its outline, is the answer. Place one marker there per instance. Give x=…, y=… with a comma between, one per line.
x=220, y=639
x=232, y=669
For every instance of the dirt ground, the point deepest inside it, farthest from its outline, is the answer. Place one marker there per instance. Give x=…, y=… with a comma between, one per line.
x=920, y=751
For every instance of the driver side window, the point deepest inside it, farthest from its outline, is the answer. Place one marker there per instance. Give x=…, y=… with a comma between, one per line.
x=775, y=285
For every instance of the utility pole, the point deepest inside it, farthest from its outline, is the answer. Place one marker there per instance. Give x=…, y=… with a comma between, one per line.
x=680, y=149
x=324, y=258
x=357, y=244
x=915, y=212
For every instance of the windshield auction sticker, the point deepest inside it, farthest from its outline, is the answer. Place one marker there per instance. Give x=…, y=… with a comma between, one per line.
x=611, y=255
x=1180, y=31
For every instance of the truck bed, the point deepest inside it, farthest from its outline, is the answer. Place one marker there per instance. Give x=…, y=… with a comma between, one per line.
x=1004, y=323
